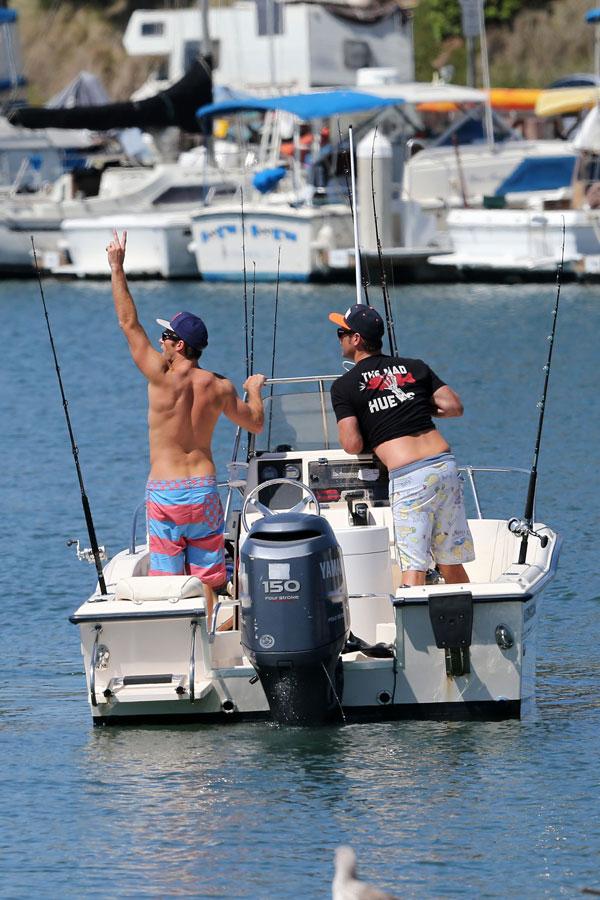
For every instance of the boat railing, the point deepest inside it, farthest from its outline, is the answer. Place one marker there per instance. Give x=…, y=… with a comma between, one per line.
x=469, y=473
x=320, y=382
x=132, y=543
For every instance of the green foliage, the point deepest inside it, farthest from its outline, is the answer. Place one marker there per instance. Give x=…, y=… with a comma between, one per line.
x=445, y=15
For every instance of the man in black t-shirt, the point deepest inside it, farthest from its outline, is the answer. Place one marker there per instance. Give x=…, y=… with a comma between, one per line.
x=385, y=404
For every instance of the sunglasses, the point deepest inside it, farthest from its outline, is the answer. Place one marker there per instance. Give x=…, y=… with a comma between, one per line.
x=343, y=332
x=169, y=336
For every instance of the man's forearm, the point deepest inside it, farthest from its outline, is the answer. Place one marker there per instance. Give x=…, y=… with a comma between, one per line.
x=256, y=405
x=124, y=305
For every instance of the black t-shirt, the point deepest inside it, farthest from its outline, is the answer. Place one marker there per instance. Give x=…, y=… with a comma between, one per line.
x=390, y=396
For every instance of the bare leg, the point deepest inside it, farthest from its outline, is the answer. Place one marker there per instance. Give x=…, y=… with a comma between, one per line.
x=413, y=577
x=210, y=597
x=454, y=574
x=227, y=625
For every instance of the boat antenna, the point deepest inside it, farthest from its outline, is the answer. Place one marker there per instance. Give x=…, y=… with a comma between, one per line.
x=245, y=283
x=74, y=448
x=351, y=191
x=524, y=527
x=273, y=353
x=359, y=279
x=389, y=319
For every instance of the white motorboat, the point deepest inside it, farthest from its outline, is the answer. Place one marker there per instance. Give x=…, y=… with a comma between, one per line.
x=306, y=235
x=28, y=206
x=319, y=624
x=305, y=212
x=524, y=234
x=157, y=218
x=442, y=178
x=70, y=232
x=157, y=245
x=523, y=240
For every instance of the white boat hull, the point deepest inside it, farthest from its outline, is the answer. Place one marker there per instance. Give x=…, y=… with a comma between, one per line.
x=431, y=651
x=499, y=681
x=523, y=240
x=16, y=255
x=306, y=237
x=157, y=246
x=163, y=665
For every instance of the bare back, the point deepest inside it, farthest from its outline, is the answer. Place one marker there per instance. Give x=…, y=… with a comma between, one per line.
x=184, y=402
x=184, y=405
x=408, y=449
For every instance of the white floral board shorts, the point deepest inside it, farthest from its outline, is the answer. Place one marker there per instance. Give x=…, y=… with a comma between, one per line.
x=430, y=522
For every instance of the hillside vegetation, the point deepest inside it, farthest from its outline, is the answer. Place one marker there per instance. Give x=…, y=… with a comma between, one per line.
x=530, y=42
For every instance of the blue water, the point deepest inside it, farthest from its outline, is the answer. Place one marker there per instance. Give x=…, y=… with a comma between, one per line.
x=432, y=809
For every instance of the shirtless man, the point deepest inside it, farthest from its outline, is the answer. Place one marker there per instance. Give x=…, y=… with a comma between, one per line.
x=185, y=516
x=385, y=404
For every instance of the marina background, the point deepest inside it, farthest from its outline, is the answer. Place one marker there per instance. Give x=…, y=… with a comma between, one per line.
x=536, y=42
x=432, y=809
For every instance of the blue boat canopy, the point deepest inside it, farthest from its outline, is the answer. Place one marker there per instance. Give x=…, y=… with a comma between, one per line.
x=304, y=106
x=592, y=15
x=541, y=173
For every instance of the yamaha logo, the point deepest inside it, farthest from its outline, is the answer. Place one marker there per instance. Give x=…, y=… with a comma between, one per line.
x=266, y=641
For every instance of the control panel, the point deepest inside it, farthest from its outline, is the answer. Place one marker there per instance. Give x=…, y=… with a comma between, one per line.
x=332, y=480
x=279, y=496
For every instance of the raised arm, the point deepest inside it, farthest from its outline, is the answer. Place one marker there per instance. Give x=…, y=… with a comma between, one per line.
x=147, y=359
x=249, y=415
x=446, y=403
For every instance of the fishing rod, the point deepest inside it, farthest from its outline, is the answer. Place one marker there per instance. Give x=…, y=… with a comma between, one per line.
x=389, y=319
x=273, y=352
x=524, y=527
x=74, y=448
x=252, y=312
x=360, y=278
x=250, y=359
x=245, y=283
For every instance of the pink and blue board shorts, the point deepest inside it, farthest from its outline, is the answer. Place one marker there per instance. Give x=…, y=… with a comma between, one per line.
x=185, y=528
x=430, y=522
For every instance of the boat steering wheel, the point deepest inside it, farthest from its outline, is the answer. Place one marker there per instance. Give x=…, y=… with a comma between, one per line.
x=251, y=499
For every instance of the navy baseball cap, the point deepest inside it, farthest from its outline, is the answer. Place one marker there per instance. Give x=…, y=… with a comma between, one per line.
x=362, y=319
x=189, y=328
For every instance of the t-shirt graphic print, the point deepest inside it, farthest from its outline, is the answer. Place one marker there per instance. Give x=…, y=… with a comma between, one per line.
x=391, y=397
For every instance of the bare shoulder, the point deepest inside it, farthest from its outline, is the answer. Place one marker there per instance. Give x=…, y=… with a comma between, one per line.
x=219, y=381
x=219, y=385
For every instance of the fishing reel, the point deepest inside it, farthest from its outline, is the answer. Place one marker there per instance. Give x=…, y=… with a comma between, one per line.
x=87, y=554
x=522, y=528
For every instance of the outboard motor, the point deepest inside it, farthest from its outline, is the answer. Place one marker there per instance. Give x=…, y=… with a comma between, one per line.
x=295, y=617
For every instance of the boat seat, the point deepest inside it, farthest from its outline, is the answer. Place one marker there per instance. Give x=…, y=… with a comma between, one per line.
x=140, y=589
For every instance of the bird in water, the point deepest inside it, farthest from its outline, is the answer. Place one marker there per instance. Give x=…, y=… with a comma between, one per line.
x=346, y=885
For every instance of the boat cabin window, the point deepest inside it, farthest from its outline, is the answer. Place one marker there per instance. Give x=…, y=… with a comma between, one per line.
x=301, y=421
x=152, y=29
x=269, y=18
x=357, y=55
x=184, y=193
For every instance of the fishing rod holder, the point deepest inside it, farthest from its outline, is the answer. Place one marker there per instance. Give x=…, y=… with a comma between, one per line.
x=522, y=529
x=87, y=554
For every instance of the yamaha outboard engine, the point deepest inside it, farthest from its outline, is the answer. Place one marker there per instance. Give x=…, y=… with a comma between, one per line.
x=295, y=617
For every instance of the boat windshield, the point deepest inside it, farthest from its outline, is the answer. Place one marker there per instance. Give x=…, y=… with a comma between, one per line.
x=298, y=421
